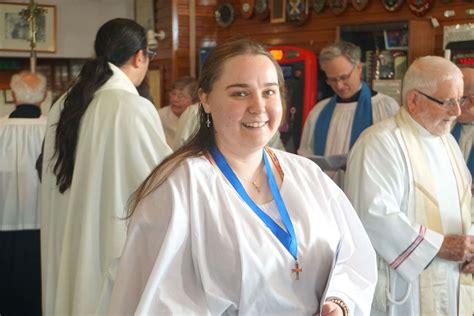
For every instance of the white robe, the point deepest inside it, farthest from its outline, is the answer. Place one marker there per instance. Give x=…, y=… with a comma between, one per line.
x=339, y=133
x=188, y=123
x=379, y=183
x=83, y=231
x=195, y=248
x=20, y=146
x=466, y=140
x=169, y=120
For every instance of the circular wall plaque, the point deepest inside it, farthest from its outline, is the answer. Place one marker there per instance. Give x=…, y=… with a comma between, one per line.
x=359, y=5
x=297, y=11
x=246, y=8
x=318, y=5
x=420, y=7
x=392, y=5
x=261, y=9
x=224, y=14
x=338, y=6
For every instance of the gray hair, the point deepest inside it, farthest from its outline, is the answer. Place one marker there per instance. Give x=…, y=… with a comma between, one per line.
x=428, y=73
x=188, y=83
x=28, y=87
x=341, y=48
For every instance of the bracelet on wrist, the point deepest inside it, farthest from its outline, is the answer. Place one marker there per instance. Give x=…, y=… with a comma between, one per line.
x=339, y=302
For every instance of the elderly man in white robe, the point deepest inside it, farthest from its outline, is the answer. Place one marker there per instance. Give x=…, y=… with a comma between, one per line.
x=21, y=135
x=335, y=123
x=407, y=179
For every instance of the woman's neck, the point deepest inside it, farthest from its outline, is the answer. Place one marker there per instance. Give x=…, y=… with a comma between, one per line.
x=244, y=165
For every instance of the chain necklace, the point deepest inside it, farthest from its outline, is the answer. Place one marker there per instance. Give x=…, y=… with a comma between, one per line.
x=254, y=183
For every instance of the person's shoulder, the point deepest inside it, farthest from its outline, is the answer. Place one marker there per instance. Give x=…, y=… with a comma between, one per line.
x=317, y=108
x=123, y=100
x=384, y=99
x=190, y=171
x=383, y=132
x=164, y=110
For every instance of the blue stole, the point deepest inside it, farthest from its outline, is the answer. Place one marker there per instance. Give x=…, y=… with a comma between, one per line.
x=288, y=237
x=456, y=131
x=362, y=119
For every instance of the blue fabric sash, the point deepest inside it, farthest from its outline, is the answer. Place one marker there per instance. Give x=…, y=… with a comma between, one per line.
x=362, y=120
x=288, y=237
x=456, y=131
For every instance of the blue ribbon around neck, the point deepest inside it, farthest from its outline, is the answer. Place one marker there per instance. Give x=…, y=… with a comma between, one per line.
x=288, y=237
x=362, y=119
x=456, y=131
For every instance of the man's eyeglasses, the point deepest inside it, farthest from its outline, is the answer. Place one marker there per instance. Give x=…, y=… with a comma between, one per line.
x=343, y=78
x=151, y=53
x=446, y=103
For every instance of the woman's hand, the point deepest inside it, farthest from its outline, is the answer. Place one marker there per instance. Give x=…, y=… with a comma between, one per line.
x=331, y=309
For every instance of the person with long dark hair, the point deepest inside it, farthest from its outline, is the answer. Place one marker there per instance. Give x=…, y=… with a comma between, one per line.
x=102, y=140
x=226, y=225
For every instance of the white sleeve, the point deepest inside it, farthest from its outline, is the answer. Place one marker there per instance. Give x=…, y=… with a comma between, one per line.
x=307, y=137
x=188, y=123
x=377, y=184
x=386, y=107
x=355, y=274
x=156, y=274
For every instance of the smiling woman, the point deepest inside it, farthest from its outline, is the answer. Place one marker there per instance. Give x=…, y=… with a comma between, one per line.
x=224, y=214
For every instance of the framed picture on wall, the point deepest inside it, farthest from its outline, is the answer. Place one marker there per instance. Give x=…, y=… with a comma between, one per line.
x=396, y=39
x=277, y=11
x=15, y=30
x=8, y=96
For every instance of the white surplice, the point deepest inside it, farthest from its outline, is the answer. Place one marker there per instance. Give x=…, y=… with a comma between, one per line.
x=194, y=247
x=466, y=140
x=169, y=120
x=83, y=231
x=188, y=123
x=379, y=183
x=339, y=133
x=20, y=146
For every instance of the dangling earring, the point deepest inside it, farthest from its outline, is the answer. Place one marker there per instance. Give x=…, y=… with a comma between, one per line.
x=208, y=121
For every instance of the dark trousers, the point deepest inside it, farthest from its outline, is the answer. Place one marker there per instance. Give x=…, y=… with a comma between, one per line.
x=20, y=273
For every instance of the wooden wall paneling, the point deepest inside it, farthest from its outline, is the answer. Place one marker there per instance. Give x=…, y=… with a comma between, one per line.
x=319, y=30
x=192, y=38
x=421, y=39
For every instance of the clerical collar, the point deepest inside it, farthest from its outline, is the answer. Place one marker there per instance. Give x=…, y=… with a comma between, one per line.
x=26, y=111
x=354, y=98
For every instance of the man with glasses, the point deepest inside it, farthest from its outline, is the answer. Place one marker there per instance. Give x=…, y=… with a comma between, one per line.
x=407, y=179
x=335, y=123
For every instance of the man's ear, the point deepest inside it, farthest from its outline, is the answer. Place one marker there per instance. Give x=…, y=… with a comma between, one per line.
x=411, y=101
x=203, y=99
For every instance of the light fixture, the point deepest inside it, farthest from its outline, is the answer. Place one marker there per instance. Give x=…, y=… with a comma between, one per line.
x=152, y=37
x=434, y=21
